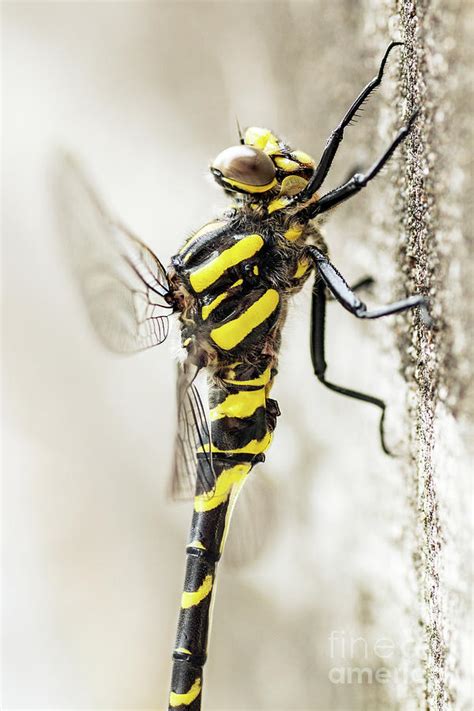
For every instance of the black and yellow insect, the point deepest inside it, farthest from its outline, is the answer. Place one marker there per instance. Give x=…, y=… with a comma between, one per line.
x=230, y=284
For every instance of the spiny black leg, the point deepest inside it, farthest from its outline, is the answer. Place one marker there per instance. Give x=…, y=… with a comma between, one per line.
x=337, y=135
x=342, y=292
x=318, y=319
x=358, y=181
x=363, y=283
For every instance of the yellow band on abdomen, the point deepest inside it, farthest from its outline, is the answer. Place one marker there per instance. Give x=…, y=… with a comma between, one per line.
x=242, y=404
x=255, y=446
x=224, y=483
x=261, y=379
x=188, y=697
x=189, y=599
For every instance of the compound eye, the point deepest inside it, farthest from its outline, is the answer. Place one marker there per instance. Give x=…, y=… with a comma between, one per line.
x=245, y=167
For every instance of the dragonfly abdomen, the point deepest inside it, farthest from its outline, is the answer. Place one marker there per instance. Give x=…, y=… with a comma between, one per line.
x=241, y=431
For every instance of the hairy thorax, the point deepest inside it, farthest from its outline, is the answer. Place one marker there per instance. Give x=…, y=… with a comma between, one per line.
x=232, y=280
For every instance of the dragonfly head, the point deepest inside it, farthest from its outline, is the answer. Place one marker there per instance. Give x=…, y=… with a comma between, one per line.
x=244, y=169
x=260, y=165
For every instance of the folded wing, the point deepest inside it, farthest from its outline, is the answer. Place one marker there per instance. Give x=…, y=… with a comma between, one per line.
x=192, y=435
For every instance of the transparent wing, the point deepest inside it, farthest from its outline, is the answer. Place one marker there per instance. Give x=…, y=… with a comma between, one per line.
x=124, y=284
x=192, y=435
x=254, y=522
x=125, y=288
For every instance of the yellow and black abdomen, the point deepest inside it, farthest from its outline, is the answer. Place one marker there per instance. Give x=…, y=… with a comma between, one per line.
x=242, y=418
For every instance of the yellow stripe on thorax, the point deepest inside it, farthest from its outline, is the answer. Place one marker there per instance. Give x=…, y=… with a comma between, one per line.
x=224, y=483
x=278, y=204
x=241, y=404
x=263, y=139
x=233, y=332
x=210, y=227
x=294, y=231
x=303, y=158
x=188, y=697
x=189, y=599
x=209, y=308
x=301, y=269
x=209, y=273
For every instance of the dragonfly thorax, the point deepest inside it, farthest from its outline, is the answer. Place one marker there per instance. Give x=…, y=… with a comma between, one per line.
x=233, y=278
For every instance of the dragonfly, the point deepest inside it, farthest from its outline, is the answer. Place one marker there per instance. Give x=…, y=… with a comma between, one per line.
x=228, y=286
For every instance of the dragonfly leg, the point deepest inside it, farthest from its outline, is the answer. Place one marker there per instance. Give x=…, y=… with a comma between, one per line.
x=364, y=283
x=318, y=323
x=335, y=139
x=342, y=292
x=358, y=181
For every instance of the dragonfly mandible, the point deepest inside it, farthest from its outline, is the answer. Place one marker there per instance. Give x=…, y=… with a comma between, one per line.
x=229, y=286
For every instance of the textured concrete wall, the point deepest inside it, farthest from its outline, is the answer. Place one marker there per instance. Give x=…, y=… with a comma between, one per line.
x=433, y=244
x=360, y=598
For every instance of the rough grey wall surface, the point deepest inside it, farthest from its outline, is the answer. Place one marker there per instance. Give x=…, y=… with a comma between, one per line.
x=360, y=599
x=433, y=244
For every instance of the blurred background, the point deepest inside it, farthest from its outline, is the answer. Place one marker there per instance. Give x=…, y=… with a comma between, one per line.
x=146, y=94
